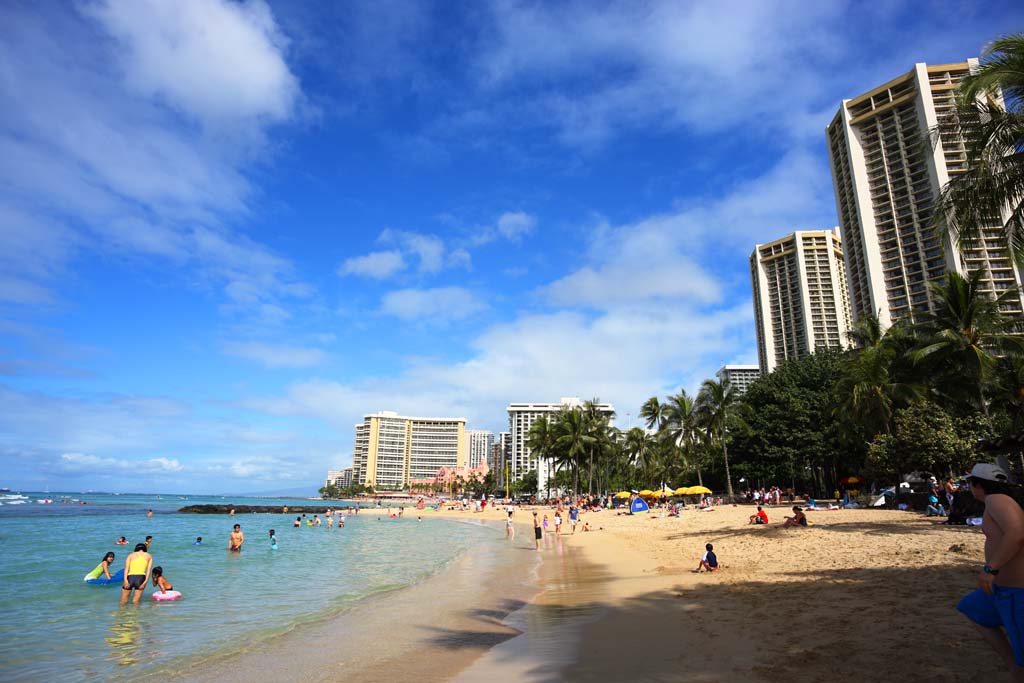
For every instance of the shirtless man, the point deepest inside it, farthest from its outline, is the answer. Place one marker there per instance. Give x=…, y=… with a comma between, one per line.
x=236, y=540
x=997, y=607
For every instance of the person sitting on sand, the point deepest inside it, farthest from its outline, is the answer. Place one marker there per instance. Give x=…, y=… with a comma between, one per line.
x=760, y=517
x=798, y=518
x=935, y=508
x=708, y=561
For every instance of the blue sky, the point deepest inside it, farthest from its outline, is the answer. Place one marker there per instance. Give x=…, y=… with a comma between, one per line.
x=231, y=229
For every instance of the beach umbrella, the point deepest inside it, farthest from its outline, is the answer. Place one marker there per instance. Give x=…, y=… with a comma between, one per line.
x=660, y=494
x=699, y=489
x=682, y=490
x=623, y=494
x=646, y=493
x=851, y=480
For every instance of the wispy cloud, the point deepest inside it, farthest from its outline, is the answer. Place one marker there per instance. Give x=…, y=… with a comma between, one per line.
x=276, y=356
x=377, y=264
x=90, y=463
x=170, y=105
x=438, y=304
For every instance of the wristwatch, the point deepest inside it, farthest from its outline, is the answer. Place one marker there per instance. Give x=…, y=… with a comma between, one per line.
x=989, y=570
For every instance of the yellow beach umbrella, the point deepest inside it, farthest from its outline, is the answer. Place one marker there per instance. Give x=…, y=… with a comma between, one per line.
x=623, y=494
x=682, y=490
x=659, y=494
x=646, y=493
x=699, y=489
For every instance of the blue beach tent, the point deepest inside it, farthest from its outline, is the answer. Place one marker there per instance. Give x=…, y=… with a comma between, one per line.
x=638, y=505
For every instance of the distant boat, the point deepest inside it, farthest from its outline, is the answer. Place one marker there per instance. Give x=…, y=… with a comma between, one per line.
x=5, y=490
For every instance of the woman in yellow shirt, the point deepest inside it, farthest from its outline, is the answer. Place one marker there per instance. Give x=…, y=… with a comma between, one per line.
x=137, y=568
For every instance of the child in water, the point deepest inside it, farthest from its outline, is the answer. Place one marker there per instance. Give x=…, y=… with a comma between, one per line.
x=273, y=540
x=159, y=581
x=102, y=569
x=298, y=523
x=199, y=540
x=121, y=541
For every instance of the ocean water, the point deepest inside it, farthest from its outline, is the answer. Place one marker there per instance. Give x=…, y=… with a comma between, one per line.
x=55, y=627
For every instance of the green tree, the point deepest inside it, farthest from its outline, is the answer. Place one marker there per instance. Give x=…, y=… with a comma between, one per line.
x=793, y=436
x=924, y=438
x=640, y=449
x=575, y=438
x=653, y=413
x=541, y=441
x=681, y=428
x=714, y=401
x=963, y=337
x=992, y=186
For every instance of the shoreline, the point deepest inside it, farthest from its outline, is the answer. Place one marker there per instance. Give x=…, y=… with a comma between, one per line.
x=426, y=631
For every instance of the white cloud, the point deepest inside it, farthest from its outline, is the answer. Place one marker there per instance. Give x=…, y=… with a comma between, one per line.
x=515, y=225
x=276, y=356
x=439, y=303
x=377, y=264
x=214, y=60
x=428, y=249
x=130, y=174
x=89, y=463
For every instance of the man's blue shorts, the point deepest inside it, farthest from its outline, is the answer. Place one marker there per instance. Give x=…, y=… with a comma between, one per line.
x=1005, y=607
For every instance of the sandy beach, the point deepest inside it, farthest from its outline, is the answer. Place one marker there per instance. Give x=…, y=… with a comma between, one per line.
x=857, y=593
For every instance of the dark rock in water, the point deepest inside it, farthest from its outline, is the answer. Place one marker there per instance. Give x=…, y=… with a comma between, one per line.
x=248, y=509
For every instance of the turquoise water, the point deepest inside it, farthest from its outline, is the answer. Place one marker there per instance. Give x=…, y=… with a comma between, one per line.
x=58, y=628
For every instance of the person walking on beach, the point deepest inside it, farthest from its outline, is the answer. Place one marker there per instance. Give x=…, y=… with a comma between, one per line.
x=997, y=606
x=510, y=529
x=236, y=539
x=537, y=531
x=137, y=568
x=574, y=516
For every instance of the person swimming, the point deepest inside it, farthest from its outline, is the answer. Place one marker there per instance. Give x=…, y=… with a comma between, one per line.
x=199, y=540
x=102, y=569
x=121, y=541
x=273, y=540
x=298, y=523
x=159, y=581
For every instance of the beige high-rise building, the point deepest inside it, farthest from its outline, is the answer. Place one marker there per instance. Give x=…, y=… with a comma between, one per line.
x=391, y=449
x=887, y=174
x=801, y=303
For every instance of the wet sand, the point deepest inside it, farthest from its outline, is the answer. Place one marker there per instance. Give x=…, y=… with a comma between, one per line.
x=426, y=632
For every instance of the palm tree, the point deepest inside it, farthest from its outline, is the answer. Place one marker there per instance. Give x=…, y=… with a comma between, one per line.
x=964, y=336
x=681, y=430
x=714, y=400
x=639, y=447
x=540, y=440
x=575, y=439
x=653, y=413
x=598, y=427
x=992, y=186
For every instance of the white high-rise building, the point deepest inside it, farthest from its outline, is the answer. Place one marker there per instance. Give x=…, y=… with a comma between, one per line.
x=521, y=417
x=739, y=377
x=391, y=449
x=887, y=174
x=340, y=478
x=801, y=302
x=480, y=442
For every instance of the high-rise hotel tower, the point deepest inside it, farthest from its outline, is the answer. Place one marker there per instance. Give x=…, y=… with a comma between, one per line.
x=801, y=303
x=887, y=173
x=391, y=449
